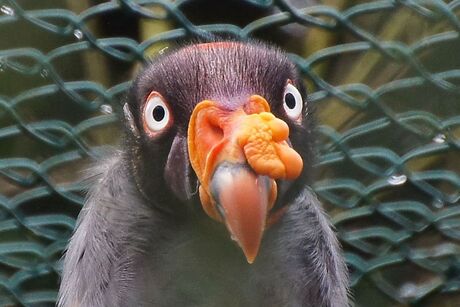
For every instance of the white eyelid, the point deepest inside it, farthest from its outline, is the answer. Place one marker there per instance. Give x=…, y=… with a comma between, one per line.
x=293, y=112
x=156, y=125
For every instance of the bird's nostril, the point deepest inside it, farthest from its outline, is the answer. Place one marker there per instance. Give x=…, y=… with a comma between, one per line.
x=212, y=132
x=217, y=132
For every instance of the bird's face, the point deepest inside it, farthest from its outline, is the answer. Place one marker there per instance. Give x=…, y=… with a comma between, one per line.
x=227, y=120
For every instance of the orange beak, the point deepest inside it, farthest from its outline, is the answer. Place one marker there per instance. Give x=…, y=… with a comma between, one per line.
x=237, y=156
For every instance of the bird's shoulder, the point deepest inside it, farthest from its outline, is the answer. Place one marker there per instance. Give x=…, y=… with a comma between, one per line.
x=306, y=236
x=93, y=252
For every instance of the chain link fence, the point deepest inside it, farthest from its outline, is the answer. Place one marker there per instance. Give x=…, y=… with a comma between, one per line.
x=383, y=75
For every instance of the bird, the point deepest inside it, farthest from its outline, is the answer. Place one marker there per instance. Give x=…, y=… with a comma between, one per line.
x=208, y=200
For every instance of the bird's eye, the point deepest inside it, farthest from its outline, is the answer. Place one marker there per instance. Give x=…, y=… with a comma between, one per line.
x=157, y=116
x=292, y=102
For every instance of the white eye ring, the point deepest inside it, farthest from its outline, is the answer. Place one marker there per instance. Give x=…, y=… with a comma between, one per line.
x=292, y=102
x=157, y=116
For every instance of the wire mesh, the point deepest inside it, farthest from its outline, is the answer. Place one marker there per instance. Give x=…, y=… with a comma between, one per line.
x=383, y=76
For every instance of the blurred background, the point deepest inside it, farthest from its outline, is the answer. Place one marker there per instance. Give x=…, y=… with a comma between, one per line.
x=384, y=77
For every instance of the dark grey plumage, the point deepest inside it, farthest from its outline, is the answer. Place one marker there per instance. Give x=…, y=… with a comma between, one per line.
x=142, y=238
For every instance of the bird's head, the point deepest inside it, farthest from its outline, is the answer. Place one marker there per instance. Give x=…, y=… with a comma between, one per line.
x=223, y=124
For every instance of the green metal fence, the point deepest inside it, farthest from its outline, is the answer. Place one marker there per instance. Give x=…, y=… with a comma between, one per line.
x=384, y=76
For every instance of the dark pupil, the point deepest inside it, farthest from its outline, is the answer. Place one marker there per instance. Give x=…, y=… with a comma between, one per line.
x=290, y=100
x=158, y=113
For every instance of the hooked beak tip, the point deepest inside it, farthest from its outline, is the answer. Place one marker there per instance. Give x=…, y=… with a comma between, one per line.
x=251, y=255
x=243, y=201
x=248, y=242
x=250, y=259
